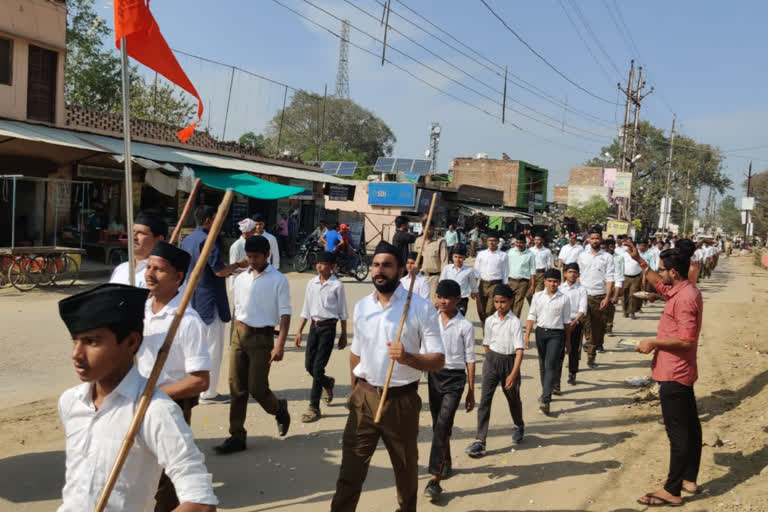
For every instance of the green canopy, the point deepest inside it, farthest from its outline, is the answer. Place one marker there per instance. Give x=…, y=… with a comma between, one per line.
x=245, y=184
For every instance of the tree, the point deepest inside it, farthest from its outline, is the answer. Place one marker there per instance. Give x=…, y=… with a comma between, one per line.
x=92, y=78
x=252, y=140
x=694, y=165
x=760, y=213
x=347, y=130
x=593, y=212
x=729, y=216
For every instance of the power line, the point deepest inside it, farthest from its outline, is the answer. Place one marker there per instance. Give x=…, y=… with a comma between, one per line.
x=600, y=46
x=542, y=58
x=586, y=45
x=626, y=28
x=526, y=85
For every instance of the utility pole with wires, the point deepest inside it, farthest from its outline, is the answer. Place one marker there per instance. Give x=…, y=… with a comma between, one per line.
x=625, y=130
x=747, y=213
x=667, y=201
x=636, y=101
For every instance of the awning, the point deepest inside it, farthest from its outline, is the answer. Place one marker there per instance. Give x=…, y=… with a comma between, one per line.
x=495, y=212
x=246, y=184
x=156, y=153
x=524, y=222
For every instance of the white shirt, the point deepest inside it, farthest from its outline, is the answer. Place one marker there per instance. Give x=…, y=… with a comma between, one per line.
x=459, y=340
x=595, y=270
x=698, y=255
x=236, y=253
x=274, y=250
x=324, y=301
x=375, y=326
x=550, y=312
x=492, y=266
x=620, y=249
x=570, y=253
x=420, y=287
x=189, y=351
x=542, y=256
x=503, y=336
x=577, y=295
x=261, y=300
x=465, y=276
x=121, y=274
x=631, y=267
x=94, y=438
x=618, y=270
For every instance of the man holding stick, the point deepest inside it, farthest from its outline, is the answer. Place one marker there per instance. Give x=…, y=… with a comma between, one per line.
x=419, y=349
x=674, y=368
x=262, y=302
x=148, y=229
x=106, y=325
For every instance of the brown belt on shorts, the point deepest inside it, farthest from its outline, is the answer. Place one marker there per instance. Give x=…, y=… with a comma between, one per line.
x=269, y=329
x=393, y=391
x=494, y=282
x=325, y=323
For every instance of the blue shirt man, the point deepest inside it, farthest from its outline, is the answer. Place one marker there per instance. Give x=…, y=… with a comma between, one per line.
x=332, y=238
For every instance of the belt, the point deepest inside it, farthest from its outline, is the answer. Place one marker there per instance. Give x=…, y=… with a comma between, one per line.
x=325, y=323
x=427, y=274
x=627, y=275
x=269, y=329
x=495, y=281
x=520, y=279
x=393, y=391
x=547, y=329
x=540, y=270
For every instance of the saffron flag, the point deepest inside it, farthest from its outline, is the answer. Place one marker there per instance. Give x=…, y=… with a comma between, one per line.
x=146, y=44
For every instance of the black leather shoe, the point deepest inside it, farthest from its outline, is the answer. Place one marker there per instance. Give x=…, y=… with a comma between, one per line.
x=283, y=418
x=230, y=445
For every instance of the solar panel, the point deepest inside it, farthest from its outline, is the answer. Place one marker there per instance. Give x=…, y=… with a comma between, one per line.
x=330, y=167
x=422, y=167
x=384, y=165
x=347, y=169
x=403, y=165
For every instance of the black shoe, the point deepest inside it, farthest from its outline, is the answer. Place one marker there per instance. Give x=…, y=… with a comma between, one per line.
x=517, y=434
x=556, y=391
x=544, y=408
x=609, y=329
x=626, y=315
x=632, y=316
x=601, y=349
x=572, y=379
x=586, y=347
x=329, y=391
x=433, y=490
x=591, y=363
x=283, y=418
x=230, y=445
x=476, y=449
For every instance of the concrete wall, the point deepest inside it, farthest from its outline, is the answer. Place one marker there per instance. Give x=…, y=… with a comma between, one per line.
x=489, y=173
x=561, y=195
x=41, y=23
x=586, y=176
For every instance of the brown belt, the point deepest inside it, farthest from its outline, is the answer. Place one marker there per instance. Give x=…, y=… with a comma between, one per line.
x=325, y=323
x=393, y=391
x=269, y=329
x=520, y=280
x=540, y=270
x=495, y=281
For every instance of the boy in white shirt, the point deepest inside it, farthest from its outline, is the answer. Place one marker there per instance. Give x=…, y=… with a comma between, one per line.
x=463, y=275
x=577, y=295
x=503, y=344
x=551, y=311
x=446, y=385
x=421, y=285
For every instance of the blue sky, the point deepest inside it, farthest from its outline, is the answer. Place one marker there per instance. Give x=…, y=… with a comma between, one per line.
x=704, y=58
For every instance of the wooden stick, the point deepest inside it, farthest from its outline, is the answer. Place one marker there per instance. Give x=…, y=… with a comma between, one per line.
x=415, y=271
x=185, y=211
x=162, y=355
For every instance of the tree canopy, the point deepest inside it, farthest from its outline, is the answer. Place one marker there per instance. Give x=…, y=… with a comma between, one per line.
x=93, y=74
x=729, y=216
x=347, y=131
x=593, y=212
x=694, y=166
x=760, y=213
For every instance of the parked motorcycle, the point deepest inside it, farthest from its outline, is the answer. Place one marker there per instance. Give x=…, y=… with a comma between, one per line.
x=355, y=265
x=306, y=256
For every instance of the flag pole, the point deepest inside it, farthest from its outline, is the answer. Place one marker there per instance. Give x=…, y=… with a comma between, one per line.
x=128, y=162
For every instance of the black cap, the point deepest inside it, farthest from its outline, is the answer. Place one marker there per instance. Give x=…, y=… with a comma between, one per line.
x=571, y=266
x=503, y=290
x=179, y=258
x=105, y=305
x=257, y=243
x=156, y=224
x=326, y=257
x=552, y=273
x=459, y=249
x=258, y=218
x=596, y=231
x=385, y=247
x=448, y=288
x=412, y=255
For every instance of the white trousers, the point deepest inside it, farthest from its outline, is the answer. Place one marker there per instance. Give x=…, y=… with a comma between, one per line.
x=213, y=334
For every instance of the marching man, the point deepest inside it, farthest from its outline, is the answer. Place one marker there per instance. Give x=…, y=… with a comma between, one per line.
x=106, y=328
x=148, y=229
x=421, y=287
x=377, y=317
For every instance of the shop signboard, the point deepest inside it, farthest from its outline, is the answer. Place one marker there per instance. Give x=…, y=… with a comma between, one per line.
x=622, y=186
x=392, y=194
x=339, y=192
x=355, y=232
x=616, y=227
x=425, y=200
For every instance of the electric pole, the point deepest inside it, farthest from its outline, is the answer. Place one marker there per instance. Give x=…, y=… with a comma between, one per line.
x=635, y=123
x=747, y=212
x=625, y=128
x=667, y=209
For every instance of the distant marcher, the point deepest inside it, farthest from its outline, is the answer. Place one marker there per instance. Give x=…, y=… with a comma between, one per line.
x=674, y=368
x=492, y=269
x=577, y=295
x=543, y=259
x=474, y=239
x=421, y=285
x=633, y=283
x=618, y=287
x=274, y=246
x=462, y=274
x=522, y=273
x=569, y=253
x=451, y=237
x=148, y=229
x=210, y=297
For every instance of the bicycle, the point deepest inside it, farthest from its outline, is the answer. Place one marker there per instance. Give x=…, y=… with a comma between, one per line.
x=24, y=273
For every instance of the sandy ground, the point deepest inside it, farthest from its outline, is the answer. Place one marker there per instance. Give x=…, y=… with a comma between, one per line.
x=602, y=448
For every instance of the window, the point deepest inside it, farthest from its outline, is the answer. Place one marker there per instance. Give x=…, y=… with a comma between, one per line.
x=41, y=89
x=6, y=49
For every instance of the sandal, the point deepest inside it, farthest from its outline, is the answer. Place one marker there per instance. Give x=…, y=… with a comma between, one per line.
x=328, y=392
x=659, y=501
x=310, y=416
